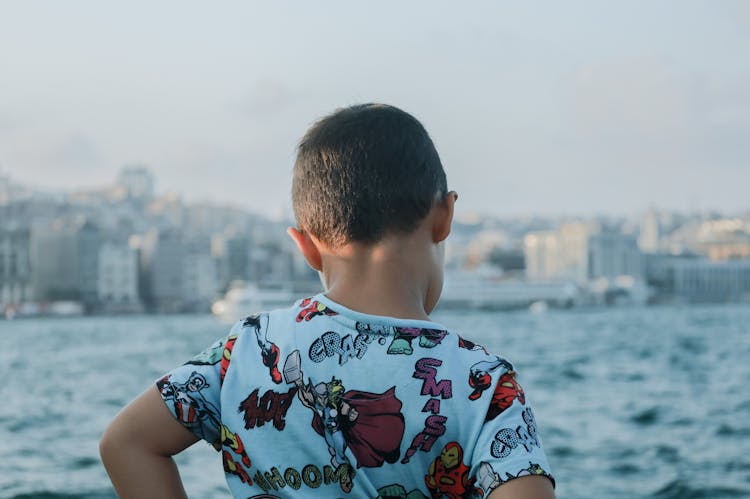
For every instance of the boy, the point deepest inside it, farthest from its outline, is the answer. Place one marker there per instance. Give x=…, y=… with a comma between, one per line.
x=354, y=392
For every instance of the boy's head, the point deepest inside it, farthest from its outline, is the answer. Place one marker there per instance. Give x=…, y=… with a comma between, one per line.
x=364, y=172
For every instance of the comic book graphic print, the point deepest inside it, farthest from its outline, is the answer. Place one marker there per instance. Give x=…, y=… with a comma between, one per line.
x=470, y=345
x=190, y=406
x=271, y=407
x=506, y=391
x=311, y=309
x=448, y=476
x=426, y=369
x=269, y=351
x=404, y=336
x=357, y=432
x=524, y=435
x=233, y=447
x=226, y=357
x=371, y=425
x=331, y=344
x=210, y=356
x=479, y=375
x=310, y=476
x=347, y=347
x=219, y=352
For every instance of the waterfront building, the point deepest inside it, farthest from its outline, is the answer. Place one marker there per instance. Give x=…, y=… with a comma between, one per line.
x=167, y=211
x=541, y=253
x=64, y=256
x=483, y=244
x=510, y=260
x=648, y=239
x=657, y=273
x=54, y=260
x=561, y=254
x=573, y=245
x=701, y=280
x=277, y=266
x=612, y=254
x=718, y=239
x=481, y=289
x=117, y=279
x=15, y=266
x=88, y=242
x=725, y=239
x=232, y=250
x=200, y=278
x=161, y=261
x=200, y=282
x=4, y=190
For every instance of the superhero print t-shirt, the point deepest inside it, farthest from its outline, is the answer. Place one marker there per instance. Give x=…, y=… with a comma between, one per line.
x=321, y=401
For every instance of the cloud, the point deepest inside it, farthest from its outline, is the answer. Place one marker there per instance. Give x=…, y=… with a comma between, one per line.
x=9, y=121
x=52, y=158
x=740, y=12
x=267, y=97
x=641, y=112
x=638, y=97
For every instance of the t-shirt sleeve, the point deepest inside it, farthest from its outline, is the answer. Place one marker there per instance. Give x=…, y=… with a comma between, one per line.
x=192, y=392
x=508, y=446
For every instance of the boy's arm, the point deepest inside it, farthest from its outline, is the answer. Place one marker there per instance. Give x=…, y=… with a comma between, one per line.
x=525, y=487
x=138, y=446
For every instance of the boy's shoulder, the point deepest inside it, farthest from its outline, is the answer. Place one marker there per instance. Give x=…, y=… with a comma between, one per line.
x=329, y=336
x=328, y=322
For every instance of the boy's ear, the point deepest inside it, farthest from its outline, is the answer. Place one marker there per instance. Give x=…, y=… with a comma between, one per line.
x=441, y=226
x=307, y=247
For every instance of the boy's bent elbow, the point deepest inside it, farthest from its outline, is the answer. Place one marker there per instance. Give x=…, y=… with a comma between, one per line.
x=137, y=446
x=107, y=446
x=144, y=426
x=525, y=487
x=118, y=449
x=114, y=442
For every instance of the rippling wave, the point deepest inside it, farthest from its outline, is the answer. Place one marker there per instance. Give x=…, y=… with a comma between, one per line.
x=632, y=403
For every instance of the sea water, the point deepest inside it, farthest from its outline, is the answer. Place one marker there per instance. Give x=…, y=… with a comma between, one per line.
x=631, y=402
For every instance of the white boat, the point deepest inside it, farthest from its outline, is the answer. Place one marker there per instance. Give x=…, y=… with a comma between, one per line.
x=42, y=309
x=622, y=290
x=466, y=290
x=538, y=307
x=243, y=299
x=65, y=309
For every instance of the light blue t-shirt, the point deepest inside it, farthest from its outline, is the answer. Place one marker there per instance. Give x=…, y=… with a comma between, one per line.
x=321, y=401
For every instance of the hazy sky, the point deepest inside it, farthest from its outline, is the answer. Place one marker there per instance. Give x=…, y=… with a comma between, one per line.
x=542, y=107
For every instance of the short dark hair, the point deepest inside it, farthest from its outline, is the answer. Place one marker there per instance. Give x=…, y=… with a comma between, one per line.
x=365, y=171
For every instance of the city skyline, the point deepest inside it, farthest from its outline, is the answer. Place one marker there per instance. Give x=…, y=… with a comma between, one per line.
x=121, y=247
x=551, y=110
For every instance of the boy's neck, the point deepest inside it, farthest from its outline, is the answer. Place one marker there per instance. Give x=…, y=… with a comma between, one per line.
x=392, y=278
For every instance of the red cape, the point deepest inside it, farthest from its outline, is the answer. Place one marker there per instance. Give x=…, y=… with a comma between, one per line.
x=375, y=436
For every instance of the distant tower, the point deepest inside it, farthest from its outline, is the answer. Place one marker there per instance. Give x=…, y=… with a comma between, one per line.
x=648, y=241
x=137, y=181
x=541, y=252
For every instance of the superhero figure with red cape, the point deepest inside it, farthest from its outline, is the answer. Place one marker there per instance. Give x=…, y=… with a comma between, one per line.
x=370, y=424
